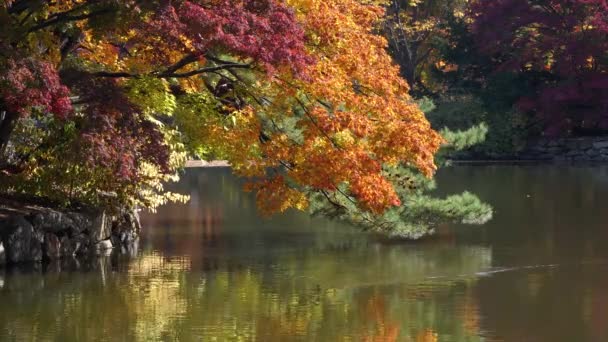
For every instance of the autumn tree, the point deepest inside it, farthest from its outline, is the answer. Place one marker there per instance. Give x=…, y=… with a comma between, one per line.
x=421, y=212
x=560, y=48
x=462, y=80
x=104, y=100
x=418, y=32
x=88, y=88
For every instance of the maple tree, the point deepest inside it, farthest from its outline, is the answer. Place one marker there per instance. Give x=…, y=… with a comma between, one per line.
x=418, y=32
x=560, y=47
x=103, y=101
x=89, y=87
x=351, y=118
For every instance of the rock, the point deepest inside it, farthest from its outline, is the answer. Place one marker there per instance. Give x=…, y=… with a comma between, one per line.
x=84, y=244
x=600, y=144
x=101, y=227
x=127, y=237
x=103, y=245
x=542, y=142
x=554, y=150
x=571, y=144
x=45, y=233
x=592, y=152
x=52, y=246
x=547, y=156
x=2, y=254
x=571, y=149
x=537, y=149
x=71, y=263
x=584, y=144
x=130, y=249
x=53, y=221
x=125, y=231
x=573, y=153
x=136, y=221
x=22, y=242
x=580, y=157
x=69, y=247
x=81, y=222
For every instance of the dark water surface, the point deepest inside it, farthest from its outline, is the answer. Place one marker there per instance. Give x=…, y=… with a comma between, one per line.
x=212, y=270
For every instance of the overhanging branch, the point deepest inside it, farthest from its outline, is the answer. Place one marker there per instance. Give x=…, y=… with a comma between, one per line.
x=204, y=70
x=67, y=18
x=167, y=74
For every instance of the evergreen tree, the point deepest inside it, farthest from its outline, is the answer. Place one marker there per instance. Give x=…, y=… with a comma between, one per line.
x=421, y=212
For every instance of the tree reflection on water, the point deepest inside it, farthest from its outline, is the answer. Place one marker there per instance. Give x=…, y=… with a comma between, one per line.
x=213, y=270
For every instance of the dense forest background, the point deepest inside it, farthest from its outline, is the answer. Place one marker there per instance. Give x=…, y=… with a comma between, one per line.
x=525, y=68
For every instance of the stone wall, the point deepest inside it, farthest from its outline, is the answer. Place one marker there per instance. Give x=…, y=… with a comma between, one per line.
x=567, y=149
x=39, y=233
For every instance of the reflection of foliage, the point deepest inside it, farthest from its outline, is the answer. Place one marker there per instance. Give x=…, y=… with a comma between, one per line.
x=140, y=304
x=158, y=278
x=428, y=288
x=321, y=296
x=320, y=292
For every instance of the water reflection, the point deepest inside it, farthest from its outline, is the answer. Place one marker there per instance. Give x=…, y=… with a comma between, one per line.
x=212, y=270
x=157, y=298
x=548, y=216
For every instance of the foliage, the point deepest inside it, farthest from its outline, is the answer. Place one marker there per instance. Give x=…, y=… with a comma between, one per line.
x=525, y=68
x=95, y=87
x=459, y=140
x=560, y=47
x=536, y=68
x=421, y=213
x=330, y=132
x=459, y=78
x=30, y=84
x=497, y=130
x=299, y=96
x=418, y=32
x=432, y=42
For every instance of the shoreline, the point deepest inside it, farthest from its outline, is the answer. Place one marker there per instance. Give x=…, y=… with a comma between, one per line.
x=34, y=231
x=204, y=163
x=556, y=162
x=224, y=163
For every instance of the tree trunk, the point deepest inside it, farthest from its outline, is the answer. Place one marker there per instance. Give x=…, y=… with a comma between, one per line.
x=7, y=125
x=403, y=50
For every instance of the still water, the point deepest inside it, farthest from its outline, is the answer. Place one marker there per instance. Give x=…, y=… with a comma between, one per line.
x=213, y=270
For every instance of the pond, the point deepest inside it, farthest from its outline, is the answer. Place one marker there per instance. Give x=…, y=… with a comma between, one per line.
x=213, y=270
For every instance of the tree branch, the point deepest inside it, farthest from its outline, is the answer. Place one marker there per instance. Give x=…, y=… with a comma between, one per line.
x=114, y=74
x=187, y=59
x=204, y=70
x=332, y=202
x=167, y=74
x=66, y=18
